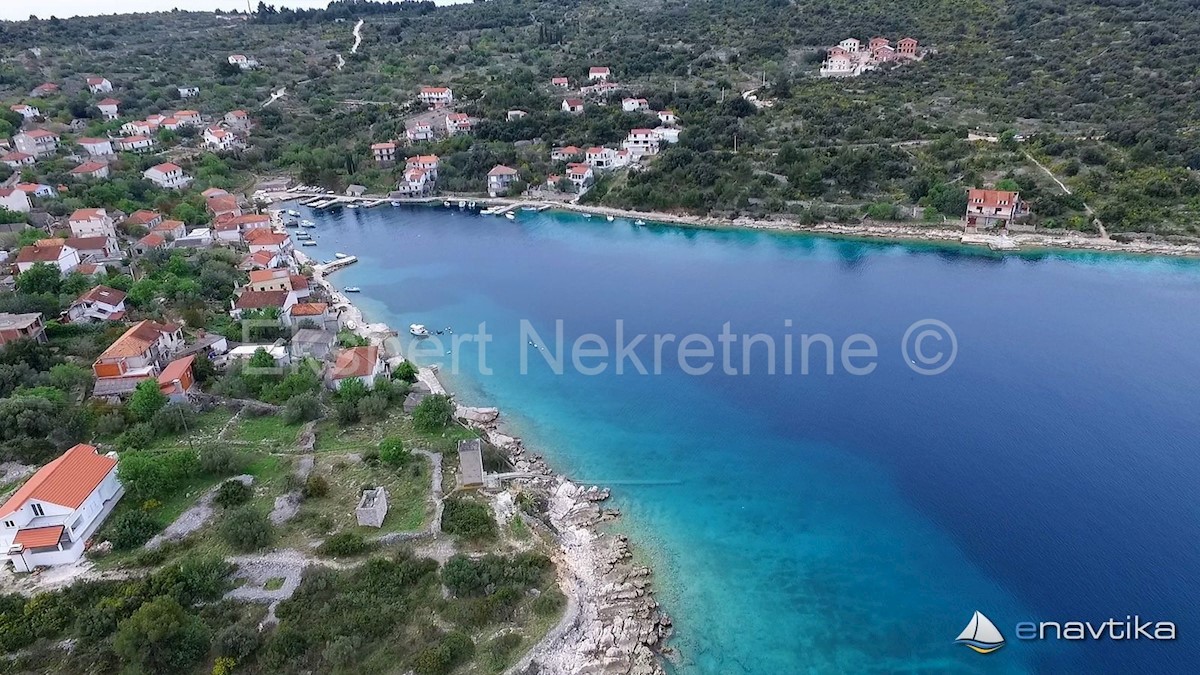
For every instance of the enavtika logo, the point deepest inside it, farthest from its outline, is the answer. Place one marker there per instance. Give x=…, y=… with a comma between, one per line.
x=981, y=635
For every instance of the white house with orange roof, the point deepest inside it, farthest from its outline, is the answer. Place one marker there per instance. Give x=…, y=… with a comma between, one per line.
x=565, y=154
x=145, y=218
x=359, y=363
x=99, y=85
x=667, y=117
x=26, y=111
x=572, y=105
x=427, y=163
x=599, y=73
x=458, y=123
x=139, y=354
x=44, y=89
x=265, y=239
x=188, y=92
x=100, y=303
x=171, y=229
x=238, y=119
x=500, y=179
x=17, y=159
x=417, y=132
x=37, y=142
x=14, y=200
x=634, y=104
x=167, y=175
x=135, y=144
x=581, y=174
x=436, y=97
x=318, y=313
x=242, y=61
x=282, y=279
x=140, y=127
x=92, y=223
x=110, y=108
x=51, y=251
x=92, y=170
x=188, y=118
x=385, y=153
x=221, y=140
x=992, y=208
x=96, y=147
x=49, y=520
x=561, y=82
x=95, y=249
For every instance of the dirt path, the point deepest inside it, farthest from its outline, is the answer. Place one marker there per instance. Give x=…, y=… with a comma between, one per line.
x=1067, y=190
x=194, y=518
x=357, y=36
x=275, y=96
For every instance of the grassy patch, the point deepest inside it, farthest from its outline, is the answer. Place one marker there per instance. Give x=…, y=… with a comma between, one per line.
x=407, y=494
x=274, y=584
x=361, y=437
x=267, y=431
x=204, y=432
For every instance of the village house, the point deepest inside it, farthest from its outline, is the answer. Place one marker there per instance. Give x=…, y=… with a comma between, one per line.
x=101, y=303
x=312, y=343
x=436, y=97
x=96, y=147
x=144, y=127
x=359, y=363
x=109, y=108
x=458, y=123
x=150, y=242
x=572, y=105
x=500, y=179
x=515, y=115
x=565, y=154
x=49, y=520
x=139, y=354
x=44, y=89
x=260, y=260
x=220, y=140
x=580, y=174
x=264, y=239
x=144, y=218
x=95, y=249
x=641, y=142
x=427, y=163
x=562, y=82
x=666, y=134
x=188, y=118
x=470, y=463
x=238, y=119
x=17, y=160
x=36, y=189
x=201, y=237
x=850, y=59
x=634, y=104
x=135, y=143
x=22, y=327
x=222, y=205
x=318, y=314
x=415, y=182
x=188, y=92
x=385, y=153
x=170, y=229
x=607, y=158
x=91, y=270
x=279, y=280
x=242, y=61
x=667, y=117
x=167, y=175
x=416, y=132
x=600, y=89
x=26, y=111
x=227, y=231
x=99, y=85
x=177, y=379
x=992, y=208
x=14, y=200
x=36, y=142
x=51, y=251
x=260, y=300
x=598, y=73
x=92, y=170
x=908, y=48
x=92, y=223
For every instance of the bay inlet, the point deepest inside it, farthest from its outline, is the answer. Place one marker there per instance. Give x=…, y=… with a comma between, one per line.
x=837, y=522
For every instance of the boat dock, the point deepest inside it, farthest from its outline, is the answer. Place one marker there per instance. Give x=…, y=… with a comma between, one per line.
x=338, y=264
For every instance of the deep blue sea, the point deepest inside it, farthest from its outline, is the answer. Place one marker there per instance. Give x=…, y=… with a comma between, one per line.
x=813, y=523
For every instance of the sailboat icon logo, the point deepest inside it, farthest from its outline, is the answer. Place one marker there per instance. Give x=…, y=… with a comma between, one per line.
x=981, y=635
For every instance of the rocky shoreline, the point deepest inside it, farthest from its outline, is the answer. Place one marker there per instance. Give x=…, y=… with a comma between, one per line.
x=612, y=625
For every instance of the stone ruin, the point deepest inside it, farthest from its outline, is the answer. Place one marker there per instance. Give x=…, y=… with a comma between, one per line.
x=372, y=507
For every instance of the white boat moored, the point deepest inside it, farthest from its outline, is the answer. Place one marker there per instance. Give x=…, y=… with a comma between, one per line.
x=610, y=219
x=353, y=289
x=395, y=203
x=510, y=215
x=418, y=330
x=340, y=255
x=310, y=242
x=639, y=221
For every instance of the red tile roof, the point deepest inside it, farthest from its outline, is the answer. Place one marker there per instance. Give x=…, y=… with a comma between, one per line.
x=167, y=167
x=109, y=101
x=46, y=250
x=259, y=276
x=261, y=299
x=67, y=480
x=309, y=309
x=175, y=370
x=990, y=199
x=152, y=240
x=109, y=296
x=355, y=362
x=142, y=217
x=39, y=537
x=88, y=167
x=501, y=170
x=263, y=237
x=88, y=214
x=137, y=339
x=87, y=243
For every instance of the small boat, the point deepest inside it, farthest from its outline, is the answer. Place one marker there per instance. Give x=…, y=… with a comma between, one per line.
x=293, y=213
x=310, y=242
x=395, y=203
x=352, y=289
x=587, y=215
x=510, y=215
x=471, y=205
x=462, y=204
x=352, y=206
x=339, y=256
x=639, y=221
x=307, y=223
x=418, y=330
x=610, y=219
x=291, y=223
x=446, y=204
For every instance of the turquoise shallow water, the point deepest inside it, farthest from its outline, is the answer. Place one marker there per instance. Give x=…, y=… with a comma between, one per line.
x=841, y=523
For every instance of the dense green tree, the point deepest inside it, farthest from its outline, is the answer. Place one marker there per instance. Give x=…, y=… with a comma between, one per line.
x=162, y=637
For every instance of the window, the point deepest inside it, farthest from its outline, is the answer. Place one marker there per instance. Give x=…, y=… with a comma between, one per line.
x=37, y=509
x=9, y=523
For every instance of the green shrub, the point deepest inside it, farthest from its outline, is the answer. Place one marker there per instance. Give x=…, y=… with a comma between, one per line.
x=301, y=408
x=316, y=487
x=137, y=437
x=392, y=451
x=345, y=544
x=373, y=407
x=433, y=413
x=548, y=603
x=469, y=519
x=175, y=418
x=238, y=640
x=131, y=529
x=221, y=461
x=162, y=637
x=453, y=650
x=233, y=493
x=246, y=529
x=405, y=372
